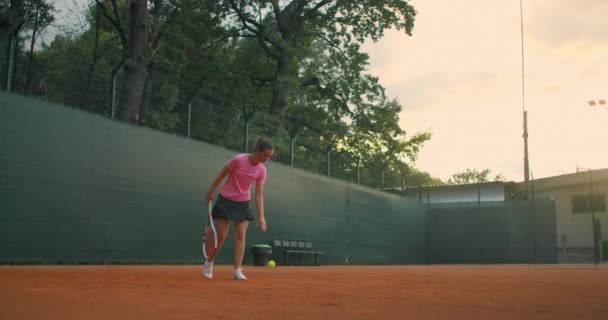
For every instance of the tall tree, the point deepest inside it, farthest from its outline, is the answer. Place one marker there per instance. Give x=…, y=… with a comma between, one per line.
x=283, y=28
x=138, y=56
x=140, y=36
x=12, y=16
x=34, y=16
x=40, y=17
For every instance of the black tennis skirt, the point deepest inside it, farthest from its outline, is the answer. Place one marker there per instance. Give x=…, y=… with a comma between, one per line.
x=231, y=210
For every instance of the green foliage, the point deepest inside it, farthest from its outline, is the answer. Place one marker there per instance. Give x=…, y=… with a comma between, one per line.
x=474, y=176
x=286, y=30
x=75, y=74
x=370, y=18
x=162, y=116
x=39, y=14
x=419, y=178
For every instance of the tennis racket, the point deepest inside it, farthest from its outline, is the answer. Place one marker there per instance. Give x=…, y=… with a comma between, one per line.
x=210, y=235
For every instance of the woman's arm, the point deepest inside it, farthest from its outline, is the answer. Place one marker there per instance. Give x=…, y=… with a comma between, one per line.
x=259, y=202
x=216, y=183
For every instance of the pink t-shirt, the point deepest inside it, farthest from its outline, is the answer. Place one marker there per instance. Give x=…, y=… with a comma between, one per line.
x=242, y=175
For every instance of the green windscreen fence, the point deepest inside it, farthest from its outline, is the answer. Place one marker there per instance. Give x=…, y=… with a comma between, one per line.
x=493, y=232
x=80, y=188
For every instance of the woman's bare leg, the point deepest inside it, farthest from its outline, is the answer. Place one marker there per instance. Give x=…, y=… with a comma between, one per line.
x=240, y=230
x=221, y=226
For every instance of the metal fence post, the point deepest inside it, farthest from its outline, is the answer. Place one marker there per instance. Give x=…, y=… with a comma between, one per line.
x=358, y=170
x=328, y=167
x=246, y=135
x=189, y=116
x=113, y=102
x=114, y=77
x=10, y=61
x=291, y=149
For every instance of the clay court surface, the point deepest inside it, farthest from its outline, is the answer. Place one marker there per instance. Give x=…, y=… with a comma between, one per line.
x=326, y=292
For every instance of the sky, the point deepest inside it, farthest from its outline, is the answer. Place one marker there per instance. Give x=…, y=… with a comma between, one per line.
x=460, y=76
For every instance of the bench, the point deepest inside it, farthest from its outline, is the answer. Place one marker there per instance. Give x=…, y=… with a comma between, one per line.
x=298, y=248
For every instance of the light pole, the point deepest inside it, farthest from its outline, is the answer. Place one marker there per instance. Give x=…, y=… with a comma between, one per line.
x=523, y=106
x=593, y=103
x=590, y=208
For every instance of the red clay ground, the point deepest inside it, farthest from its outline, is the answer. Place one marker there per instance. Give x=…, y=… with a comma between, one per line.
x=327, y=292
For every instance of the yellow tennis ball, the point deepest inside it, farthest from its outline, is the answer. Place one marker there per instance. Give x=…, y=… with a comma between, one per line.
x=271, y=264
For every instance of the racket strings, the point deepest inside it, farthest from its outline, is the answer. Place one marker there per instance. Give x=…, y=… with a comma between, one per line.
x=209, y=242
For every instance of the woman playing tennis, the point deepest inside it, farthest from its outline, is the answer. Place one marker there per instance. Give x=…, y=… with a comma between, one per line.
x=233, y=203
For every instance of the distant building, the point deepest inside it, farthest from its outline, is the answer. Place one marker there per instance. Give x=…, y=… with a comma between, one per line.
x=486, y=191
x=578, y=196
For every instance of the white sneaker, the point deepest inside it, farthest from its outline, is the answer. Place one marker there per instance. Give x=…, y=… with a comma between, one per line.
x=238, y=274
x=208, y=270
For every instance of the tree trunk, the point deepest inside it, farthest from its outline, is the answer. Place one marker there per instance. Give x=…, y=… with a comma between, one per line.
x=146, y=101
x=136, y=64
x=13, y=20
x=87, y=98
x=280, y=90
x=279, y=97
x=30, y=59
